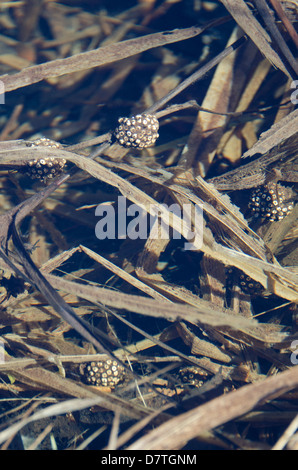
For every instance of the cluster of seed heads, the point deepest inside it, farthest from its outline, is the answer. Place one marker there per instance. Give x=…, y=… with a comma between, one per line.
x=272, y=201
x=107, y=373
x=138, y=131
x=46, y=168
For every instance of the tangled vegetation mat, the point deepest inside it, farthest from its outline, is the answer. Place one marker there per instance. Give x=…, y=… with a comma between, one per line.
x=148, y=235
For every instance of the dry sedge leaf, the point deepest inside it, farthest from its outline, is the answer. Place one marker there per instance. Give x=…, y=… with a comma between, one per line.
x=221, y=97
x=98, y=57
x=205, y=312
x=246, y=20
x=276, y=135
x=200, y=346
x=280, y=160
x=123, y=274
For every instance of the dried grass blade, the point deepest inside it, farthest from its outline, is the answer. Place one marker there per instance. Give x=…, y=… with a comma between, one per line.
x=276, y=135
x=123, y=274
x=246, y=20
x=266, y=13
x=98, y=57
x=204, y=313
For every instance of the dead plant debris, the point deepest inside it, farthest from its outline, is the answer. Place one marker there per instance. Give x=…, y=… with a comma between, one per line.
x=135, y=249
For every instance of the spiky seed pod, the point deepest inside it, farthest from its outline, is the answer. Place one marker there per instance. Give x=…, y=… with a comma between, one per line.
x=48, y=167
x=138, y=131
x=107, y=373
x=271, y=201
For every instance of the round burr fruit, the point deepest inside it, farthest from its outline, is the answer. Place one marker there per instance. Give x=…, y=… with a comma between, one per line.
x=271, y=201
x=192, y=375
x=107, y=373
x=249, y=285
x=138, y=131
x=45, y=168
x=245, y=282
